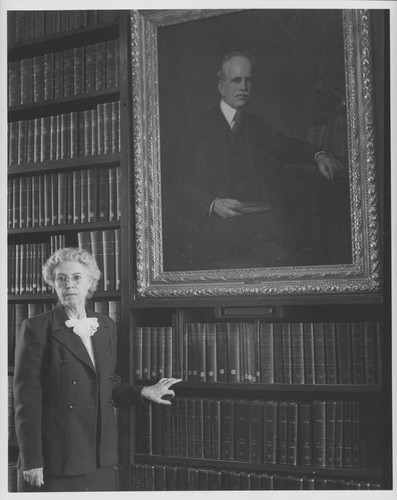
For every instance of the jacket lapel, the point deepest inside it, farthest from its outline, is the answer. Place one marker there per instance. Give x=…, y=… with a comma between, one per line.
x=101, y=341
x=69, y=339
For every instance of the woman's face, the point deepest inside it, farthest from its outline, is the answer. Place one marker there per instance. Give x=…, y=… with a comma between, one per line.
x=71, y=283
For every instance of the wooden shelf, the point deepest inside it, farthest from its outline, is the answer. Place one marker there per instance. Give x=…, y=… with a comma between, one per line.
x=63, y=40
x=51, y=297
x=65, y=228
x=77, y=163
x=62, y=105
x=366, y=474
x=328, y=388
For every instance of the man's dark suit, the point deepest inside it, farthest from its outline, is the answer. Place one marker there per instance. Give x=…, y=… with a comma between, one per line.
x=64, y=413
x=210, y=163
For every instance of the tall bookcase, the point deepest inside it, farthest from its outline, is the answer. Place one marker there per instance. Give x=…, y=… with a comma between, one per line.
x=68, y=129
x=278, y=393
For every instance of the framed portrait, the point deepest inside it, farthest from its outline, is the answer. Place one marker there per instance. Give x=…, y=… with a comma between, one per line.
x=254, y=212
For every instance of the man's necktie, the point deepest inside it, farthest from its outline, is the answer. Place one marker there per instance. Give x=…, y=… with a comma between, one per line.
x=236, y=122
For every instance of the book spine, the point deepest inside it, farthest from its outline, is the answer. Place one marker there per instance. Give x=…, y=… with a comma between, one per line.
x=330, y=353
x=201, y=352
x=330, y=433
x=227, y=429
x=210, y=354
x=168, y=358
x=278, y=354
x=347, y=443
x=153, y=353
x=146, y=350
x=255, y=437
x=319, y=353
x=233, y=354
x=160, y=351
x=369, y=351
x=137, y=353
x=292, y=442
x=282, y=433
x=191, y=425
x=319, y=433
x=344, y=353
x=287, y=353
x=357, y=353
x=305, y=434
x=298, y=358
x=221, y=352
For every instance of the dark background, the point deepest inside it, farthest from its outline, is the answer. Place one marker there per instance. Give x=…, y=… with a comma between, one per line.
x=299, y=87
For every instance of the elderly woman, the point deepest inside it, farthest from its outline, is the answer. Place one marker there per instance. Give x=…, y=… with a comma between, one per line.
x=65, y=386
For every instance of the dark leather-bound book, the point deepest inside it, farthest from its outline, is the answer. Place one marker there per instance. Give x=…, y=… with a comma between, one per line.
x=166, y=430
x=347, y=454
x=330, y=354
x=319, y=433
x=191, y=428
x=233, y=351
x=199, y=427
x=357, y=347
x=278, y=354
x=369, y=329
x=330, y=433
x=241, y=412
x=282, y=433
x=153, y=353
x=231, y=480
x=227, y=429
x=319, y=353
x=255, y=437
x=203, y=479
x=298, y=358
x=157, y=429
x=160, y=477
x=172, y=478
x=207, y=428
x=339, y=434
x=287, y=353
x=214, y=480
x=210, y=353
x=270, y=419
x=344, y=353
x=192, y=475
x=292, y=443
x=216, y=429
x=183, y=427
x=221, y=352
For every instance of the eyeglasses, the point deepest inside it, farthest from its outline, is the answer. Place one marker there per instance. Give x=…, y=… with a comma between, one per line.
x=76, y=279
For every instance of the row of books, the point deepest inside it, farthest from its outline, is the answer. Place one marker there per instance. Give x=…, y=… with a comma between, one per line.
x=317, y=433
x=68, y=197
x=54, y=75
x=148, y=477
x=26, y=25
x=25, y=262
x=105, y=247
x=85, y=133
x=267, y=353
x=17, y=312
x=11, y=412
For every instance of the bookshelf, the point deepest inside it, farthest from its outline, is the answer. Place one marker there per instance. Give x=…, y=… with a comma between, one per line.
x=322, y=394
x=67, y=174
x=321, y=413
x=162, y=336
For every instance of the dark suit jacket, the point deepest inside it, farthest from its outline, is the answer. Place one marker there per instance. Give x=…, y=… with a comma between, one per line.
x=64, y=407
x=210, y=162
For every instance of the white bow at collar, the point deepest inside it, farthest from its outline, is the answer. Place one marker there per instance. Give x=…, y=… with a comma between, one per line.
x=84, y=328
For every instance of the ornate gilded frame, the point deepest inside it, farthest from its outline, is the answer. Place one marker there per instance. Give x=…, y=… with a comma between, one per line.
x=363, y=276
